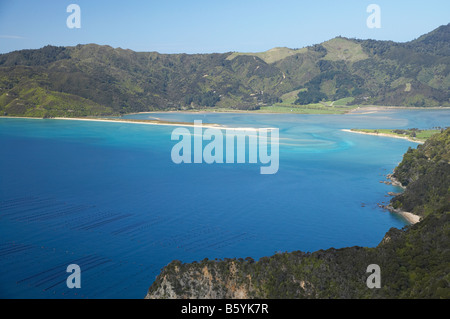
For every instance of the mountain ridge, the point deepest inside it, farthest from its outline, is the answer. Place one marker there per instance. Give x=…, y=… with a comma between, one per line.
x=52, y=81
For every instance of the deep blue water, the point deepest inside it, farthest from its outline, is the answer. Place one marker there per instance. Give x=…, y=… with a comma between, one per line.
x=108, y=197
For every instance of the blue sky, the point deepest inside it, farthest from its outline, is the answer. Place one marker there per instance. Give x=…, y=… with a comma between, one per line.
x=205, y=26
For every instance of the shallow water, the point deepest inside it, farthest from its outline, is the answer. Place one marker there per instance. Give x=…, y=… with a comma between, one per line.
x=108, y=197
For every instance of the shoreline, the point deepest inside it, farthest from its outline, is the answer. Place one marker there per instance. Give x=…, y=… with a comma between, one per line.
x=391, y=107
x=355, y=111
x=145, y=122
x=409, y=217
x=383, y=135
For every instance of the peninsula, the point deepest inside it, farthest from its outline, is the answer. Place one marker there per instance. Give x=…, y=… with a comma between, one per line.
x=412, y=135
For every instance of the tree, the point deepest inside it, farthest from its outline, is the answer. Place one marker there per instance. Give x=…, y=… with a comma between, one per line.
x=310, y=96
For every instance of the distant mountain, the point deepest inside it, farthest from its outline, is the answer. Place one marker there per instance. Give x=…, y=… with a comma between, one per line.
x=99, y=80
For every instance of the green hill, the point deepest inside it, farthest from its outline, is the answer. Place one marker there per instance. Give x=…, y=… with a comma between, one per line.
x=99, y=80
x=270, y=56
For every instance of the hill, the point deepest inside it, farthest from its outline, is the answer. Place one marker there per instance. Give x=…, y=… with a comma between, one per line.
x=270, y=56
x=425, y=172
x=100, y=80
x=414, y=261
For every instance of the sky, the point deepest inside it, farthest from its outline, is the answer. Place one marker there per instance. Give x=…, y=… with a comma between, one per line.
x=207, y=26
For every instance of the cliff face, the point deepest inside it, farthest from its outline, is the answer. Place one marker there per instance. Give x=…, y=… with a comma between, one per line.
x=208, y=280
x=414, y=261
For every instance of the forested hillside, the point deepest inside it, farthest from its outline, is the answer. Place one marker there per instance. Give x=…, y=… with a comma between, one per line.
x=100, y=80
x=425, y=172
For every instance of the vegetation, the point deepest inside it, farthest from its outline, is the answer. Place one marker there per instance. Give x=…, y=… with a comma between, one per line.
x=414, y=261
x=413, y=134
x=316, y=108
x=310, y=96
x=272, y=55
x=92, y=80
x=426, y=173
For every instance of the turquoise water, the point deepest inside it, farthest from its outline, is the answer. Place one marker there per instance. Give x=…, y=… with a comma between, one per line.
x=108, y=197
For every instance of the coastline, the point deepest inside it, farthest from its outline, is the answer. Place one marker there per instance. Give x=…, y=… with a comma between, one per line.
x=383, y=135
x=145, y=122
x=409, y=217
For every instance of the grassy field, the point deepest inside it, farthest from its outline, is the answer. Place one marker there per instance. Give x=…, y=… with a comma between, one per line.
x=344, y=49
x=337, y=49
x=327, y=107
x=304, y=109
x=283, y=108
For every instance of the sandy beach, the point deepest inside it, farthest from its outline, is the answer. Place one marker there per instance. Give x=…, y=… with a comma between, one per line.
x=361, y=110
x=384, y=135
x=147, y=122
x=410, y=217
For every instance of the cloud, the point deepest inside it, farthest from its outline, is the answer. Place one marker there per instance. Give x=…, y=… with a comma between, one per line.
x=2, y=36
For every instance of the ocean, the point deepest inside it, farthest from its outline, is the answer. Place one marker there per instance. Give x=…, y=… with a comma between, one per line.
x=109, y=198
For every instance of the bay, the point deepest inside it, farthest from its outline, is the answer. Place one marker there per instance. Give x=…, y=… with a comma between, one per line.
x=108, y=197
